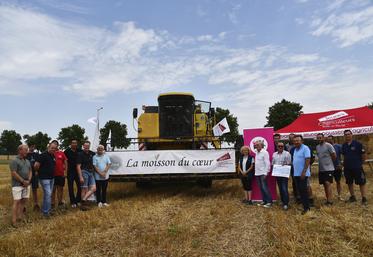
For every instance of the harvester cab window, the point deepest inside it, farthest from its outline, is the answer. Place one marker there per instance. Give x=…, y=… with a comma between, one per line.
x=176, y=116
x=202, y=106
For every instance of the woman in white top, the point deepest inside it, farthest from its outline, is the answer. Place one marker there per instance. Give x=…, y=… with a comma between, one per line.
x=246, y=171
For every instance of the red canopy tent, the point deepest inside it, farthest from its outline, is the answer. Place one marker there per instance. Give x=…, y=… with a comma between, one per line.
x=358, y=120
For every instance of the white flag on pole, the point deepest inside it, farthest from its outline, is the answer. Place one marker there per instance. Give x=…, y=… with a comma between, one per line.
x=92, y=120
x=108, y=142
x=221, y=128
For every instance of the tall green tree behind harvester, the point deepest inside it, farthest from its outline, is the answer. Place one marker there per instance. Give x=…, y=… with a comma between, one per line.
x=232, y=136
x=118, y=134
x=283, y=113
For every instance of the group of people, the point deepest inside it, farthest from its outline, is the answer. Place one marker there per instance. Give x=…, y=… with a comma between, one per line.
x=299, y=158
x=89, y=172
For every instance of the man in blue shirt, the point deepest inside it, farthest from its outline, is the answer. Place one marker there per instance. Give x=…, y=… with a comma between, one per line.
x=302, y=172
x=337, y=174
x=354, y=157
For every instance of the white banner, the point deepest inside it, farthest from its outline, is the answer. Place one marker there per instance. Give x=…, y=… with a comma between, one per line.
x=172, y=161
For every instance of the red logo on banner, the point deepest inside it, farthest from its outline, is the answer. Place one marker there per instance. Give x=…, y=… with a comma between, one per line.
x=226, y=156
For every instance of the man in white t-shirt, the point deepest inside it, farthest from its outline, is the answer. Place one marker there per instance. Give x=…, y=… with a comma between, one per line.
x=262, y=168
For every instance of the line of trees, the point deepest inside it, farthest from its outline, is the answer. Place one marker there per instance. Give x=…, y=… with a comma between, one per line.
x=280, y=115
x=10, y=139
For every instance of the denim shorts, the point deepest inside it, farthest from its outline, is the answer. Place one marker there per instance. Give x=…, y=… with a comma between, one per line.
x=89, y=179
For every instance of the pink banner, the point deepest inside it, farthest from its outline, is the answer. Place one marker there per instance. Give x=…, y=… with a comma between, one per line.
x=265, y=134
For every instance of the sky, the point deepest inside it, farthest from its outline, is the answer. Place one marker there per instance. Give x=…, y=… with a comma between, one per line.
x=62, y=60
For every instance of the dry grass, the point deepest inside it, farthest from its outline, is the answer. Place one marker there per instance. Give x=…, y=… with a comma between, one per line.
x=185, y=220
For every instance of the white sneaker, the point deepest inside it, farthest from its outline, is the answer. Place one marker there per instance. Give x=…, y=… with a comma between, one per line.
x=267, y=205
x=106, y=204
x=285, y=207
x=99, y=205
x=73, y=205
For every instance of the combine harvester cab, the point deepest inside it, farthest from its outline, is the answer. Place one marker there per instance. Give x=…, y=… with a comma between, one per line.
x=175, y=143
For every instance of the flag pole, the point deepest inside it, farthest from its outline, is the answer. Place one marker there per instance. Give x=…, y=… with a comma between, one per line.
x=96, y=139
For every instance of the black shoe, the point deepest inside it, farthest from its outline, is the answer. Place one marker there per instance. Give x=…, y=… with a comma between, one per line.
x=84, y=206
x=46, y=215
x=312, y=203
x=249, y=202
x=351, y=199
x=364, y=201
x=305, y=211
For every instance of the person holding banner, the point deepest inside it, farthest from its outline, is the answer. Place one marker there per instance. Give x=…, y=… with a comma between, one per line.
x=302, y=171
x=281, y=161
x=246, y=168
x=262, y=168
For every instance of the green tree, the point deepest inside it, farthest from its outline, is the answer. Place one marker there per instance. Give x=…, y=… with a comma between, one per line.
x=69, y=133
x=282, y=114
x=40, y=140
x=232, y=136
x=118, y=134
x=9, y=141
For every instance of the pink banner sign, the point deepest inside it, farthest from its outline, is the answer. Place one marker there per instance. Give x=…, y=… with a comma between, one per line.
x=265, y=135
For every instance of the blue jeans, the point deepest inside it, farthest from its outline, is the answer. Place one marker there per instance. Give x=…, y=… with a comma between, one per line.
x=47, y=186
x=262, y=183
x=282, y=184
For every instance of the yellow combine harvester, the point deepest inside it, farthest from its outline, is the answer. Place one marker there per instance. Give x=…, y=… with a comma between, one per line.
x=178, y=122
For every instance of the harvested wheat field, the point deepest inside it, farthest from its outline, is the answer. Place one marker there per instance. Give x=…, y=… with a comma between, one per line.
x=186, y=220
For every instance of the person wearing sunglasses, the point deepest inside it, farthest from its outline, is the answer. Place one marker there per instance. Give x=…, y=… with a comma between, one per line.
x=282, y=157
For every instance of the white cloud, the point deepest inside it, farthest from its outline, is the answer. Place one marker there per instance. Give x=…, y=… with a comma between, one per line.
x=347, y=23
x=302, y=58
x=94, y=63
